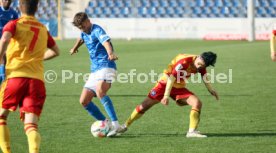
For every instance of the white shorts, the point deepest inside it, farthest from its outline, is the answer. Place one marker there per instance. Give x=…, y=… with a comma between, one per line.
x=106, y=74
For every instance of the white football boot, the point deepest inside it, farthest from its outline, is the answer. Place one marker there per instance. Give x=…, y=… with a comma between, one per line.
x=195, y=134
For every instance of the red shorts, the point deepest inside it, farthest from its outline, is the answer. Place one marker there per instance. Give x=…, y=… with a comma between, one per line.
x=157, y=93
x=27, y=93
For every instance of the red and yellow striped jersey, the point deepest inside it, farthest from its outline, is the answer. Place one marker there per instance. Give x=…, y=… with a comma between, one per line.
x=26, y=49
x=181, y=67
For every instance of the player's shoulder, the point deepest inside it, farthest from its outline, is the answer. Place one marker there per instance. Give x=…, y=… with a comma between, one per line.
x=185, y=57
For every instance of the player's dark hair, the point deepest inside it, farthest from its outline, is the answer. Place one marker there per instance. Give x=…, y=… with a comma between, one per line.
x=29, y=6
x=209, y=58
x=79, y=18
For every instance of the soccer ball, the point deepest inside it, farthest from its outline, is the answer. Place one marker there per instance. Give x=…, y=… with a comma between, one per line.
x=100, y=129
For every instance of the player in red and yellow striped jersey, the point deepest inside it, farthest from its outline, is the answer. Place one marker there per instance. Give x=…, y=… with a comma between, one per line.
x=172, y=84
x=272, y=44
x=25, y=42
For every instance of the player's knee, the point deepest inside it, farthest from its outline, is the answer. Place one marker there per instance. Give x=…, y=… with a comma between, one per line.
x=84, y=102
x=100, y=94
x=197, y=104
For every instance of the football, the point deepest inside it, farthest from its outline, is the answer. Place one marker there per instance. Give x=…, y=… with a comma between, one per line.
x=100, y=129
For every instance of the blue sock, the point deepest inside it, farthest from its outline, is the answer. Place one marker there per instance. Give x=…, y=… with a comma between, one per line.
x=108, y=106
x=94, y=111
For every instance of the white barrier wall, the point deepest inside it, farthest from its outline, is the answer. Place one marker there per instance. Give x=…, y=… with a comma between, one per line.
x=175, y=28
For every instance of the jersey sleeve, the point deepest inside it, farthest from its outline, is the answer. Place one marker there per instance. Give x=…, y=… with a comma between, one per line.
x=274, y=32
x=51, y=42
x=10, y=27
x=101, y=35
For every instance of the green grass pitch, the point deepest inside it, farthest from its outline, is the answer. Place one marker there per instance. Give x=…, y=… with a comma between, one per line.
x=242, y=121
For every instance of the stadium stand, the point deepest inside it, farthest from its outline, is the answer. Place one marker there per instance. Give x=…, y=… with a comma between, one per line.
x=162, y=8
x=178, y=8
x=47, y=9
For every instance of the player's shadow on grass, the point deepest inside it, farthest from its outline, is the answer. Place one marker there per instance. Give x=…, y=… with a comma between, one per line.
x=261, y=134
x=136, y=135
x=210, y=135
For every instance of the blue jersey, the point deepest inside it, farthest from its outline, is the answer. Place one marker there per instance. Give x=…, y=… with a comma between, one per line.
x=5, y=17
x=97, y=52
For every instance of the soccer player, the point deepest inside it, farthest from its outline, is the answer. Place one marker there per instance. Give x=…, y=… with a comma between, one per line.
x=272, y=45
x=25, y=42
x=6, y=14
x=172, y=84
x=103, y=69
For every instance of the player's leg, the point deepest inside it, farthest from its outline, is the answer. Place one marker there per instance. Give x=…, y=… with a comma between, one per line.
x=4, y=131
x=11, y=94
x=30, y=110
x=87, y=95
x=86, y=101
x=194, y=115
x=154, y=97
x=101, y=90
x=31, y=130
x=140, y=110
x=185, y=97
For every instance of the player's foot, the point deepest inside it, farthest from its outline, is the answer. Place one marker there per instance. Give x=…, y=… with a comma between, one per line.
x=113, y=131
x=195, y=134
x=122, y=129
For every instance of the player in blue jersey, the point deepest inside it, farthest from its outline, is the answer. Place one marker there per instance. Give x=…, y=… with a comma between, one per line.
x=6, y=14
x=103, y=69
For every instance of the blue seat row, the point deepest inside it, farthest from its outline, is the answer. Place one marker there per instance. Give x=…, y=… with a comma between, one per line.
x=178, y=8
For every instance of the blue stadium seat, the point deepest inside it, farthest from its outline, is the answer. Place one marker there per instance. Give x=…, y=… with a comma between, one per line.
x=181, y=3
x=272, y=3
x=128, y=3
x=163, y=3
x=236, y=3
x=206, y=11
x=142, y=11
x=126, y=11
x=155, y=3
x=170, y=11
x=218, y=3
x=227, y=3
x=196, y=10
x=209, y=3
x=92, y=3
x=200, y=3
x=161, y=11
x=101, y=3
x=180, y=11
x=173, y=3
x=119, y=3
x=110, y=3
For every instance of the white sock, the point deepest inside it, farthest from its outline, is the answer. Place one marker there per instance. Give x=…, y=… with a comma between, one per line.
x=115, y=124
x=191, y=130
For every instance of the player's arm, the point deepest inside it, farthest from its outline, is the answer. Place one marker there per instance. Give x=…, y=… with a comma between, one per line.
x=51, y=53
x=169, y=84
x=53, y=50
x=5, y=39
x=209, y=87
x=75, y=48
x=272, y=46
x=109, y=49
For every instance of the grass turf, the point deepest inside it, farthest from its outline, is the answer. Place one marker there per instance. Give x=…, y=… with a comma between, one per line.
x=242, y=121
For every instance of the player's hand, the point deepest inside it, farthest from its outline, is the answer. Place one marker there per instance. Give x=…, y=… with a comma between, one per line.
x=112, y=57
x=273, y=56
x=165, y=101
x=73, y=51
x=214, y=93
